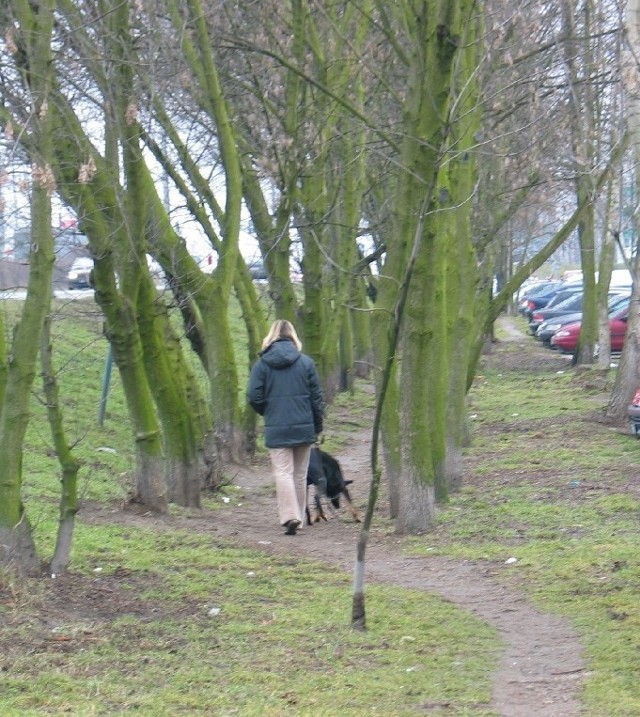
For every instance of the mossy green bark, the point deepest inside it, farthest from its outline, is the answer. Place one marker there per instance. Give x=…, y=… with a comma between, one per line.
x=426, y=224
x=33, y=59
x=463, y=267
x=583, y=105
x=69, y=465
x=4, y=365
x=213, y=299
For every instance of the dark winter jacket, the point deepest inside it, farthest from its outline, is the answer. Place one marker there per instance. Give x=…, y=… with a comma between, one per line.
x=284, y=387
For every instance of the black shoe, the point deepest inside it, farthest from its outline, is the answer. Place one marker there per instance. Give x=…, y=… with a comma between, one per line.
x=291, y=527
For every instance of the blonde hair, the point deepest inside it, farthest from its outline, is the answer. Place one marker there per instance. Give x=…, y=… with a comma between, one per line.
x=281, y=329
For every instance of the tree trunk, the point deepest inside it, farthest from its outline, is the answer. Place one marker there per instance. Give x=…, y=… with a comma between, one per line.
x=314, y=311
x=95, y=200
x=164, y=367
x=605, y=267
x=191, y=287
x=205, y=300
x=423, y=198
x=417, y=506
x=123, y=335
x=421, y=403
x=582, y=108
x=628, y=375
x=462, y=265
x=165, y=383
x=361, y=328
x=199, y=54
x=4, y=363
x=68, y=464
x=33, y=36
x=273, y=234
x=391, y=450
x=589, y=324
x=627, y=379
x=17, y=549
x=221, y=371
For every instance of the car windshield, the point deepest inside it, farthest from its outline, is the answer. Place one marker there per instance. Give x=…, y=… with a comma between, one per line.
x=575, y=302
x=616, y=303
x=542, y=288
x=570, y=302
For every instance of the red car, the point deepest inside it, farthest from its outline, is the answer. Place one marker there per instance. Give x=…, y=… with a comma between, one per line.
x=565, y=339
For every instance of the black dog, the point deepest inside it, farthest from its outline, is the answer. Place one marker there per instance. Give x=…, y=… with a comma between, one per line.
x=326, y=475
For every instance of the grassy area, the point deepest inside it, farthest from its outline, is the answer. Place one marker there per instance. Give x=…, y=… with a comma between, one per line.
x=549, y=485
x=172, y=622
x=279, y=644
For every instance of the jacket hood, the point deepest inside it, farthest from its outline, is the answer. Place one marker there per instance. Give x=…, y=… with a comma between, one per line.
x=281, y=354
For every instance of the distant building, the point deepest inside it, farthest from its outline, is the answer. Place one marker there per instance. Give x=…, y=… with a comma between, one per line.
x=69, y=244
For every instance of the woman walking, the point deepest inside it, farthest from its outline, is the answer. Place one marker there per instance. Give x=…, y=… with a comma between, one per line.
x=284, y=387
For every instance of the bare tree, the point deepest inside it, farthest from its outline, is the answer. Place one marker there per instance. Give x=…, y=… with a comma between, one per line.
x=29, y=40
x=628, y=375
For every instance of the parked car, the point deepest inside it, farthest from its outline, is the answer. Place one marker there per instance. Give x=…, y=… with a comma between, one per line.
x=566, y=338
x=535, y=290
x=79, y=275
x=568, y=306
x=551, y=298
x=548, y=327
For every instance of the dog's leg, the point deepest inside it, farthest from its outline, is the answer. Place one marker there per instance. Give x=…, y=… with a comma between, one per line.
x=314, y=514
x=321, y=491
x=320, y=514
x=332, y=509
x=350, y=508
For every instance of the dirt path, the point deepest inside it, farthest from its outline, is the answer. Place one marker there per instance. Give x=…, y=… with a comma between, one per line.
x=542, y=670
